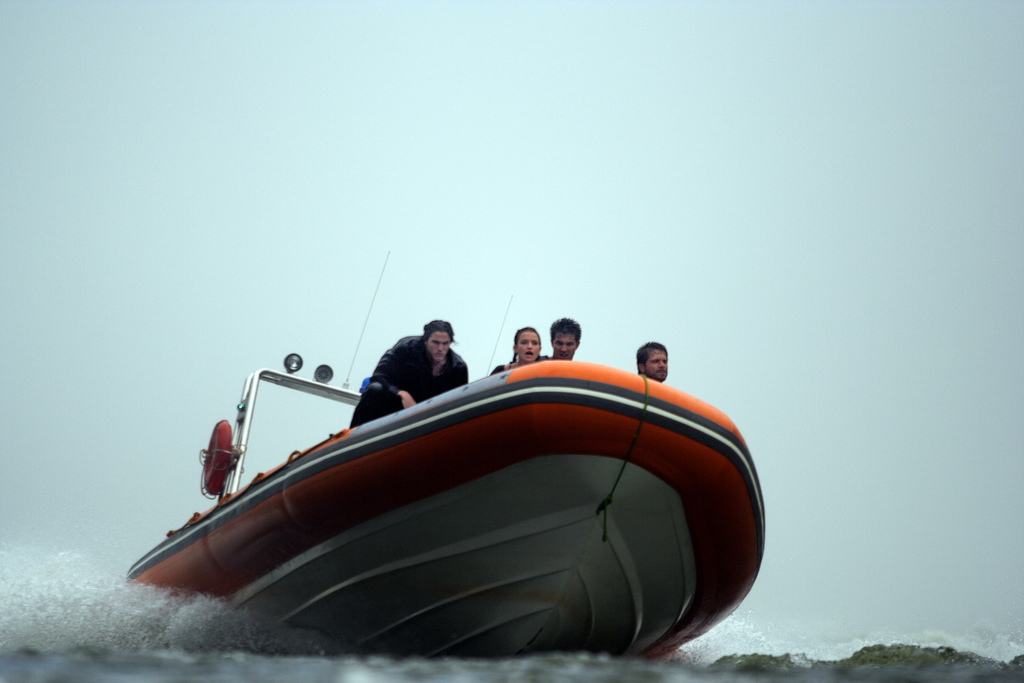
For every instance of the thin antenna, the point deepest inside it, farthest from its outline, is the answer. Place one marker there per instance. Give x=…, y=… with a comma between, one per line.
x=498, y=341
x=345, y=385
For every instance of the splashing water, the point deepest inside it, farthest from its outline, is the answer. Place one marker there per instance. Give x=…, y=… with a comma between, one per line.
x=60, y=602
x=62, y=617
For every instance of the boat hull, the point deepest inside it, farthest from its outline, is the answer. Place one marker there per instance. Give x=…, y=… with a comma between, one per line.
x=470, y=524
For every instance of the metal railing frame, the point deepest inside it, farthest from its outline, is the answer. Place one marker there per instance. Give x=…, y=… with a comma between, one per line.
x=243, y=422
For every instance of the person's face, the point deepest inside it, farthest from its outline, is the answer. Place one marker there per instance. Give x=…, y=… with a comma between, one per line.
x=438, y=344
x=528, y=347
x=656, y=366
x=565, y=346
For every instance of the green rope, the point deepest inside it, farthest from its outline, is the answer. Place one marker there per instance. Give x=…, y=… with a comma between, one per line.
x=603, y=507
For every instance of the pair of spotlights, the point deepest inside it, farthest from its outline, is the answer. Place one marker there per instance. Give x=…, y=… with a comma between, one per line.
x=293, y=363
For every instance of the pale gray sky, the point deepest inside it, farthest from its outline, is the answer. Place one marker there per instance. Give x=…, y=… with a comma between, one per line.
x=818, y=207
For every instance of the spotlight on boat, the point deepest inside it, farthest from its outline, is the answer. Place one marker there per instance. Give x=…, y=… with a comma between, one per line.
x=292, y=363
x=323, y=374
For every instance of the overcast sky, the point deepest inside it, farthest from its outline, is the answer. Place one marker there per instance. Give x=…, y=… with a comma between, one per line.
x=818, y=207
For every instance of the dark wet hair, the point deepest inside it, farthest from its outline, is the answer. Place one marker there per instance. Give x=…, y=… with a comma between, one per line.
x=516, y=339
x=644, y=352
x=437, y=326
x=566, y=326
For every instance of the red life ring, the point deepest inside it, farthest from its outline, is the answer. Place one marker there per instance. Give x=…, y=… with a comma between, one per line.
x=217, y=459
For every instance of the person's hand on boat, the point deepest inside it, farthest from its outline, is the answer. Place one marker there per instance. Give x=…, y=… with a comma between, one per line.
x=407, y=400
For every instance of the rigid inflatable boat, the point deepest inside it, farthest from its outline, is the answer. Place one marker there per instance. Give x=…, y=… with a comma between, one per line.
x=557, y=506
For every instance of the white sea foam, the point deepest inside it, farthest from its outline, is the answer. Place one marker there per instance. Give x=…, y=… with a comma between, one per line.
x=54, y=601
x=61, y=601
x=806, y=641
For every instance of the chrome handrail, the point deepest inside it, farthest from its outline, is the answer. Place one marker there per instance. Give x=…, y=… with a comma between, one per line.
x=243, y=422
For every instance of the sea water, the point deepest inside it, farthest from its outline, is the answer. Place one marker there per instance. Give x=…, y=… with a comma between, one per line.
x=62, y=618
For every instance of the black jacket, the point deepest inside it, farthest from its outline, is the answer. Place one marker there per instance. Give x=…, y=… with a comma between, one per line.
x=406, y=366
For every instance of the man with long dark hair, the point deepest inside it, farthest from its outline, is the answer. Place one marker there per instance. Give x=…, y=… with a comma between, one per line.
x=413, y=370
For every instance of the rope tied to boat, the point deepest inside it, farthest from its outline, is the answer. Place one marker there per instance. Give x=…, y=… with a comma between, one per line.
x=603, y=507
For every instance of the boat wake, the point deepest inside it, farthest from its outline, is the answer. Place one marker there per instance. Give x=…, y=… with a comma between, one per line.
x=742, y=642
x=63, y=602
